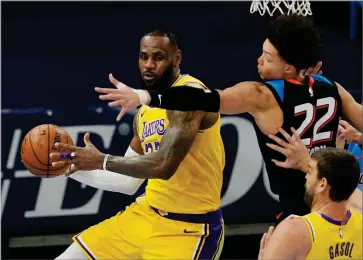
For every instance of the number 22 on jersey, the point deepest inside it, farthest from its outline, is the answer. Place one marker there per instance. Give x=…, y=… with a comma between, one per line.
x=311, y=121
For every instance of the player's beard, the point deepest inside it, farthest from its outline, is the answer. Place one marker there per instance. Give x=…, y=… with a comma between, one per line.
x=163, y=82
x=309, y=197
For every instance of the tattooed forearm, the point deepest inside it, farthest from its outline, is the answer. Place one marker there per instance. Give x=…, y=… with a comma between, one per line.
x=176, y=142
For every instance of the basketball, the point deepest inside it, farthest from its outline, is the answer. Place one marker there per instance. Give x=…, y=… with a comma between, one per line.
x=38, y=144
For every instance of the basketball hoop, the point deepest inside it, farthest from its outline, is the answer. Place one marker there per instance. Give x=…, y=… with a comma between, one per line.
x=299, y=7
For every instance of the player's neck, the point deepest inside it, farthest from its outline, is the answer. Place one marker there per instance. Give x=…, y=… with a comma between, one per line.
x=335, y=210
x=176, y=74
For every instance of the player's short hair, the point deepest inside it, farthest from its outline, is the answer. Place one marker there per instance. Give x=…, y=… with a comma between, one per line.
x=173, y=39
x=296, y=39
x=341, y=169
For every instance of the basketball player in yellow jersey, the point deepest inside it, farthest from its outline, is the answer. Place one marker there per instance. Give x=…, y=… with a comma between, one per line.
x=332, y=230
x=182, y=156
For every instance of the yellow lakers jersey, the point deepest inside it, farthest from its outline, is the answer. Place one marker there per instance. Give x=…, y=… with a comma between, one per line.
x=334, y=241
x=196, y=185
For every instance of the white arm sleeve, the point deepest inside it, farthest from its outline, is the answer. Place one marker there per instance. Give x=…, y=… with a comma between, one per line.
x=110, y=181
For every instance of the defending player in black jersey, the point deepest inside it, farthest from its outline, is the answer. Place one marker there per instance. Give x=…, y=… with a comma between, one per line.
x=311, y=104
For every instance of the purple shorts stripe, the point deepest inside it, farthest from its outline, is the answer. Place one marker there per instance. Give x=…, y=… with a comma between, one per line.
x=202, y=241
x=84, y=247
x=212, y=242
x=220, y=239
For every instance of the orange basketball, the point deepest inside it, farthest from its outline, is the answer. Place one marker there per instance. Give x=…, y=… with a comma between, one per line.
x=38, y=144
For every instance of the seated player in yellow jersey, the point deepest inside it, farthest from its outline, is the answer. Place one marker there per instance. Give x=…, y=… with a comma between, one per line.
x=182, y=156
x=333, y=230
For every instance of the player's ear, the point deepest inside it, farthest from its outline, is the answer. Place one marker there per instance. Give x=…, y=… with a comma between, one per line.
x=323, y=185
x=289, y=70
x=177, y=58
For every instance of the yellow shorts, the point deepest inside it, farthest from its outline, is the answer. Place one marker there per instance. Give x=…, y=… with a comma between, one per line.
x=142, y=232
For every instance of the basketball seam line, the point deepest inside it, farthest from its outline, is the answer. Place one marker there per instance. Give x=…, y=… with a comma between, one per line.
x=31, y=147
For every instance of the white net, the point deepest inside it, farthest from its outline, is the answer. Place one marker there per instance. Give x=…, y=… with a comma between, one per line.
x=300, y=7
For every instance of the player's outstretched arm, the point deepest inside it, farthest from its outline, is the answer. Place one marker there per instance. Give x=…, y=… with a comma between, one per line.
x=352, y=110
x=242, y=97
x=356, y=201
x=176, y=142
x=289, y=240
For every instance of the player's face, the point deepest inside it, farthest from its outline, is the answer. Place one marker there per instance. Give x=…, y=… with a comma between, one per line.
x=156, y=59
x=311, y=183
x=270, y=65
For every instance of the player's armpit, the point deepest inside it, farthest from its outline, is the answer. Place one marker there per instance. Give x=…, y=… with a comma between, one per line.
x=352, y=110
x=291, y=232
x=136, y=142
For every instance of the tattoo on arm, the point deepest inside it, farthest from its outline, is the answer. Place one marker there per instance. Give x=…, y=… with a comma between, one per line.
x=162, y=164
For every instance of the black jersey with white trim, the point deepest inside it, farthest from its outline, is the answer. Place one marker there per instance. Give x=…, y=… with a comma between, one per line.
x=313, y=109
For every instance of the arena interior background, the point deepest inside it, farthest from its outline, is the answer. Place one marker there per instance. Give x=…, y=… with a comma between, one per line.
x=54, y=54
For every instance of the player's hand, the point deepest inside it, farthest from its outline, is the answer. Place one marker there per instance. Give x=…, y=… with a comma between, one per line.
x=123, y=96
x=347, y=132
x=311, y=70
x=83, y=158
x=264, y=242
x=297, y=155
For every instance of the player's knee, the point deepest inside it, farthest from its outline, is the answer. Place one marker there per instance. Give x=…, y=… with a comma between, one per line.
x=72, y=252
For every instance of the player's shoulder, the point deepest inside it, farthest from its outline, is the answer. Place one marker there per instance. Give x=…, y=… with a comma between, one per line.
x=293, y=224
x=318, y=78
x=356, y=215
x=188, y=80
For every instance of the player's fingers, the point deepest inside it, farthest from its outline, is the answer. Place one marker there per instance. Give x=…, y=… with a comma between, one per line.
x=303, y=72
x=278, y=140
x=307, y=72
x=277, y=148
x=86, y=139
x=269, y=233
x=116, y=83
x=262, y=242
x=113, y=80
x=107, y=90
x=62, y=156
x=68, y=147
x=72, y=168
x=296, y=134
x=279, y=163
x=317, y=68
x=116, y=103
x=320, y=72
x=110, y=97
x=344, y=124
x=341, y=137
x=60, y=164
x=121, y=114
x=285, y=134
x=341, y=129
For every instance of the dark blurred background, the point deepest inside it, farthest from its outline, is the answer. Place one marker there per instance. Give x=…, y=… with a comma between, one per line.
x=55, y=53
